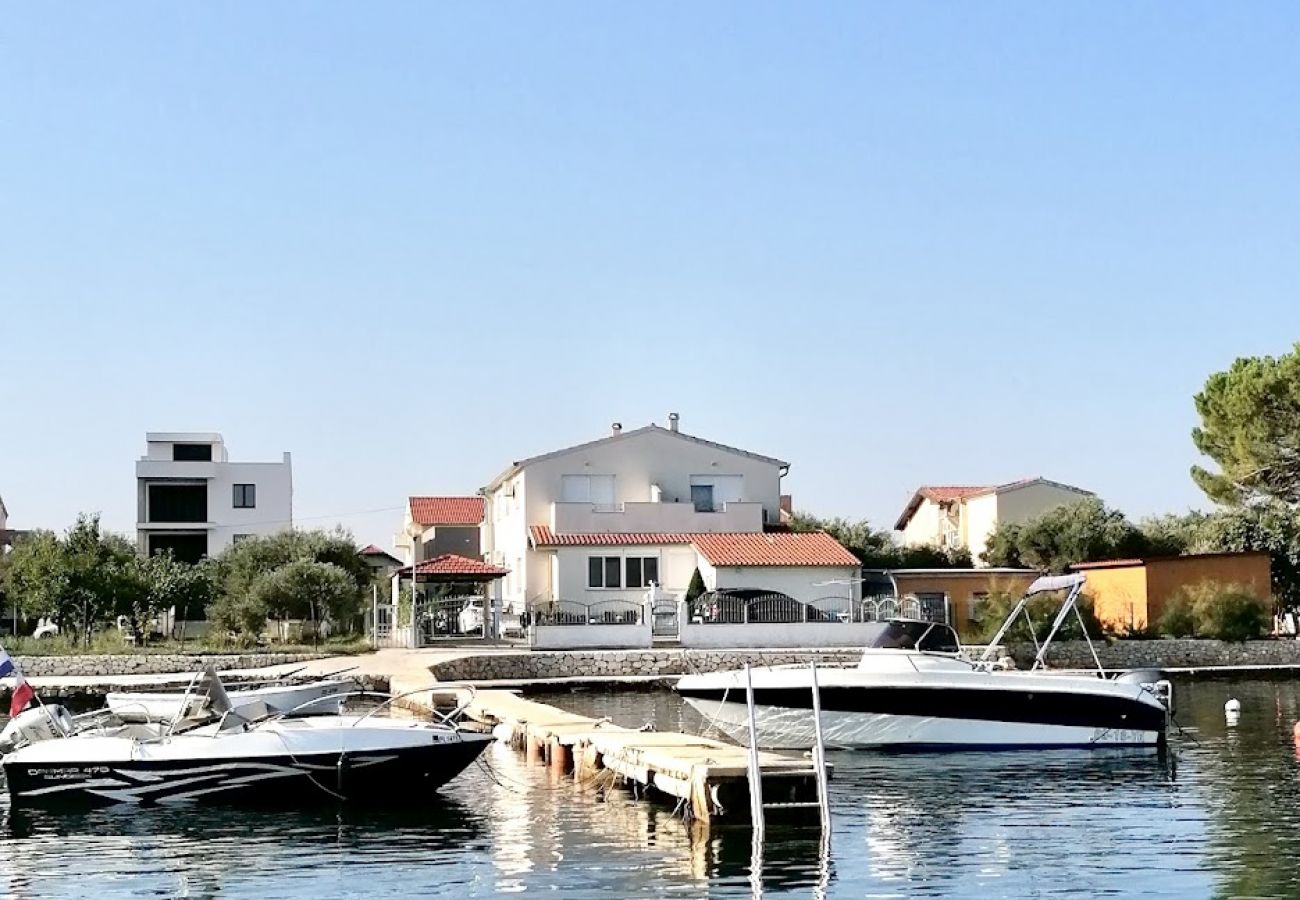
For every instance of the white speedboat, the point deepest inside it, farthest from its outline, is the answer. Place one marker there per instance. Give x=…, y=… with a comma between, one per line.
x=244, y=758
x=321, y=696
x=913, y=690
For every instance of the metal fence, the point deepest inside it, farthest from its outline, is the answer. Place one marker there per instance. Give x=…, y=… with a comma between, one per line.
x=742, y=608
x=735, y=608
x=573, y=612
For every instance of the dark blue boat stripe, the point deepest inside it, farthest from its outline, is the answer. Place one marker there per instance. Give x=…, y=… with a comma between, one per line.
x=1035, y=707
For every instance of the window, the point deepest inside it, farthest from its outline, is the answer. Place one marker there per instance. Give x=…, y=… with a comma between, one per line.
x=245, y=496
x=178, y=502
x=236, y=538
x=976, y=605
x=192, y=452
x=597, y=490
x=641, y=570
x=604, y=571
x=702, y=497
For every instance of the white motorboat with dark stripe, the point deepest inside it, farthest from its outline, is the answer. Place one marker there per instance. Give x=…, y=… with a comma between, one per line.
x=914, y=690
x=241, y=758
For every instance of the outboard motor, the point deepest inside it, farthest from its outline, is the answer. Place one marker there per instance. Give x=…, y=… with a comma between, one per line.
x=40, y=723
x=1154, y=682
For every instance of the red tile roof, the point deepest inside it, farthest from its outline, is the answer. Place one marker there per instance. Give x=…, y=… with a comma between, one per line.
x=809, y=549
x=941, y=493
x=748, y=549
x=447, y=510
x=947, y=493
x=451, y=564
x=542, y=536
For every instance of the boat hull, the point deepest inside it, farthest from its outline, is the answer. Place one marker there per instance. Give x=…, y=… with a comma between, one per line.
x=393, y=776
x=790, y=728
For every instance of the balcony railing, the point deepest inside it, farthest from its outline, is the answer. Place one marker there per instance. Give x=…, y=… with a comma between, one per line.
x=653, y=517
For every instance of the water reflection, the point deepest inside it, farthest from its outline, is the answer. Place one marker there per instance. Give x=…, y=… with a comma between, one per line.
x=1213, y=818
x=203, y=852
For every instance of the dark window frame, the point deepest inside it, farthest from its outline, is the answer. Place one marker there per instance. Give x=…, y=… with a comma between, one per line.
x=245, y=496
x=604, y=572
x=191, y=453
x=647, y=570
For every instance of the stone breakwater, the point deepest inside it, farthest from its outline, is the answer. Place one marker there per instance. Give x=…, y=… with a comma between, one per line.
x=1167, y=653
x=622, y=663
x=615, y=664
x=149, y=663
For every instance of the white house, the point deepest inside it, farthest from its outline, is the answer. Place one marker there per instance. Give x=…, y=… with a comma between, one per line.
x=605, y=519
x=192, y=500
x=963, y=516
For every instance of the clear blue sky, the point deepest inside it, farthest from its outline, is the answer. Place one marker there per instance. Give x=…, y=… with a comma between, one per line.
x=891, y=243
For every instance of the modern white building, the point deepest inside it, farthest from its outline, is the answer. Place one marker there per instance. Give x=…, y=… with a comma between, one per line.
x=604, y=519
x=963, y=516
x=192, y=500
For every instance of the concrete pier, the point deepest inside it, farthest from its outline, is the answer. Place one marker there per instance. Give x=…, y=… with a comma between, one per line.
x=708, y=779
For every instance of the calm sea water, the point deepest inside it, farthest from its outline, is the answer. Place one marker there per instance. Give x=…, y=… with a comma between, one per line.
x=1217, y=817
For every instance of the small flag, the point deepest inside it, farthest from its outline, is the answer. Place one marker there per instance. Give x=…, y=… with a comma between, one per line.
x=23, y=693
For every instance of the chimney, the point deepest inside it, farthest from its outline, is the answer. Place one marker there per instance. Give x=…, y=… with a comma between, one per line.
x=673, y=419
x=616, y=428
x=787, y=503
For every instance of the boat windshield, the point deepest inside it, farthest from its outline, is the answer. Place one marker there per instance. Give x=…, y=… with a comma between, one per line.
x=899, y=634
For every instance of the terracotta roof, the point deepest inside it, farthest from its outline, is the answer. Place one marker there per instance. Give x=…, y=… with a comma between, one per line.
x=747, y=549
x=542, y=536
x=810, y=549
x=372, y=550
x=451, y=564
x=447, y=510
x=947, y=493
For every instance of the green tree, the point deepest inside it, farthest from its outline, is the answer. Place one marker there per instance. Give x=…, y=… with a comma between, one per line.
x=696, y=586
x=170, y=584
x=1084, y=531
x=1172, y=534
x=1272, y=527
x=273, y=576
x=1250, y=427
x=877, y=549
x=103, y=574
x=36, y=577
x=305, y=589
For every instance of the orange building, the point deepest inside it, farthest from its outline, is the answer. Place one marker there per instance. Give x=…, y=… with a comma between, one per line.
x=1132, y=593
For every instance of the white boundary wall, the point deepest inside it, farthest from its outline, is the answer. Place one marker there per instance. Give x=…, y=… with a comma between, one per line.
x=591, y=637
x=801, y=635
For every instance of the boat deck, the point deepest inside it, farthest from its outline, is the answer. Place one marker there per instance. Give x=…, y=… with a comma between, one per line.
x=708, y=777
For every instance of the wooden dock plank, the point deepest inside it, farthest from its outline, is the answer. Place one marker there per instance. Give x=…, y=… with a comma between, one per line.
x=684, y=765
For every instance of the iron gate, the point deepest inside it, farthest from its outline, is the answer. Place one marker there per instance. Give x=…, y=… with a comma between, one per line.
x=448, y=618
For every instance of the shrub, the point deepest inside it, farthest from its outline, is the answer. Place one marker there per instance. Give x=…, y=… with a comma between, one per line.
x=1235, y=615
x=1229, y=612
x=1179, y=618
x=994, y=609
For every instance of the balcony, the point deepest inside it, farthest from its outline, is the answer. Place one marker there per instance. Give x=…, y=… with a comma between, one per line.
x=654, y=518
x=165, y=469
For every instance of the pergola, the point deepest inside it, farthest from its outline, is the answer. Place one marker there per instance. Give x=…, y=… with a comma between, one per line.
x=451, y=570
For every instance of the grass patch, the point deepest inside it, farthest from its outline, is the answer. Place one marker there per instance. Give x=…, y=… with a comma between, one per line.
x=111, y=643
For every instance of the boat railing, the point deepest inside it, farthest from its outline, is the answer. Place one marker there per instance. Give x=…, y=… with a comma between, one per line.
x=447, y=718
x=1073, y=587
